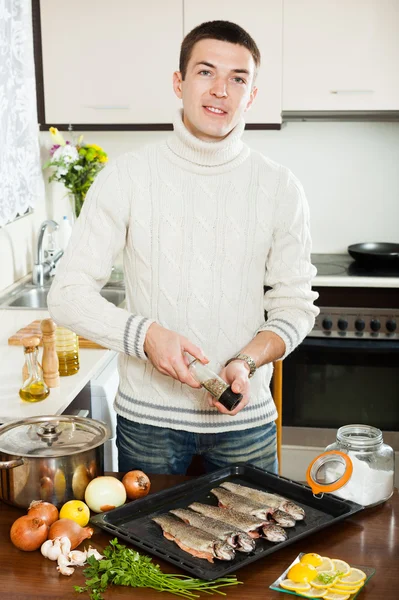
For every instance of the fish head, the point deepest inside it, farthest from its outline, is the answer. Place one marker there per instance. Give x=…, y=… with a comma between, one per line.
x=223, y=551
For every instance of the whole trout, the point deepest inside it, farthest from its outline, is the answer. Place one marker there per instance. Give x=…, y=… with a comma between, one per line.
x=235, y=537
x=250, y=507
x=255, y=527
x=272, y=500
x=194, y=541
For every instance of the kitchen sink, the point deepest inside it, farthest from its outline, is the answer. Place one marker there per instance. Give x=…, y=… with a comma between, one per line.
x=29, y=296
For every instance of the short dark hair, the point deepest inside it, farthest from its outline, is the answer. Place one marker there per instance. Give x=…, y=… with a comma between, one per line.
x=225, y=31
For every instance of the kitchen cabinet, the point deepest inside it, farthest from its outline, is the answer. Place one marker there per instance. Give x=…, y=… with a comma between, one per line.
x=103, y=67
x=263, y=21
x=340, y=56
x=109, y=64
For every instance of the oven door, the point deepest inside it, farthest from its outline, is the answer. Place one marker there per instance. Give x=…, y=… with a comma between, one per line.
x=328, y=383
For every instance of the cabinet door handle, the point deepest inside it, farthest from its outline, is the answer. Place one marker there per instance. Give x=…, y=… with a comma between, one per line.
x=108, y=107
x=351, y=91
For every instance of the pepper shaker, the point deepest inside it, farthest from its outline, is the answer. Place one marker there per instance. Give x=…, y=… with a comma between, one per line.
x=214, y=384
x=50, y=359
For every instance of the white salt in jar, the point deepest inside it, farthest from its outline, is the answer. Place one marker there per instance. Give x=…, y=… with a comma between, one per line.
x=372, y=479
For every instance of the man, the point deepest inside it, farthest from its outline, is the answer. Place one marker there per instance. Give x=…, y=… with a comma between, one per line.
x=204, y=224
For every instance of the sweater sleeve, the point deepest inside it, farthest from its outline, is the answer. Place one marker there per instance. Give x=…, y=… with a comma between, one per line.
x=289, y=272
x=97, y=238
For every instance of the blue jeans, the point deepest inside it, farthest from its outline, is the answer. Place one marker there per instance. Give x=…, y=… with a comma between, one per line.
x=168, y=451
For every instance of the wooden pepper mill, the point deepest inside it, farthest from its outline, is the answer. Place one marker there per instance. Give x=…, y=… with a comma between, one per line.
x=28, y=342
x=50, y=365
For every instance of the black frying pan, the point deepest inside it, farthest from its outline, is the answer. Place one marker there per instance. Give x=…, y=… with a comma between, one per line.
x=371, y=253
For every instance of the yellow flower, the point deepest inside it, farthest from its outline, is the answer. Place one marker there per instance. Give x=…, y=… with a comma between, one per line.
x=58, y=138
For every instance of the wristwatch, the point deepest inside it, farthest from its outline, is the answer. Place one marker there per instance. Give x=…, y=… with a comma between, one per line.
x=248, y=359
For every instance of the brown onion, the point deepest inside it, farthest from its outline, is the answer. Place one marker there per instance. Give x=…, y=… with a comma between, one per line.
x=28, y=533
x=137, y=484
x=70, y=529
x=43, y=510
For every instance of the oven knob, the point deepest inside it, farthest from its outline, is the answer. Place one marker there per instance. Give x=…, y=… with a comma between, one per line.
x=375, y=325
x=342, y=324
x=327, y=324
x=359, y=324
x=391, y=325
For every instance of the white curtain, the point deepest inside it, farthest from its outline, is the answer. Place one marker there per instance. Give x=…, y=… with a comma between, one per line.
x=21, y=179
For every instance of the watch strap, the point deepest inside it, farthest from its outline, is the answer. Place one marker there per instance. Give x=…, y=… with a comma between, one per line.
x=246, y=358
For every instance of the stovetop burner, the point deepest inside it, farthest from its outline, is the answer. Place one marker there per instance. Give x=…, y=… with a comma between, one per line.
x=343, y=265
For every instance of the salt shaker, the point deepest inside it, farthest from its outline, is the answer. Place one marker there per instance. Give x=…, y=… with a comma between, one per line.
x=214, y=384
x=49, y=359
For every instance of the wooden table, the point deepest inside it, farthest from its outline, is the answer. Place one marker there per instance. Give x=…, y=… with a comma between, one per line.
x=370, y=538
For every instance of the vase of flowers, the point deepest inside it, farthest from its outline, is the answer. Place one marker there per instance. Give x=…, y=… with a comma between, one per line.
x=76, y=166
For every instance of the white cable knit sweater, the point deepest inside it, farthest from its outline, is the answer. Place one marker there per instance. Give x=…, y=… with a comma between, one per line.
x=203, y=227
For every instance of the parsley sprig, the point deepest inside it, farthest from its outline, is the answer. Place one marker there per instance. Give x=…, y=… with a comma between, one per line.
x=124, y=566
x=327, y=578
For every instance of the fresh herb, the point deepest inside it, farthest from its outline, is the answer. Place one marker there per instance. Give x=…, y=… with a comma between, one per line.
x=328, y=577
x=123, y=566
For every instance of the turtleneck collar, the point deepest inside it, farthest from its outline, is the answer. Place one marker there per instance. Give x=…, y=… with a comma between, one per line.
x=197, y=155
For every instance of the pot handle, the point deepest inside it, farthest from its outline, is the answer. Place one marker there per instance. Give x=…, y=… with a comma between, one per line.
x=10, y=464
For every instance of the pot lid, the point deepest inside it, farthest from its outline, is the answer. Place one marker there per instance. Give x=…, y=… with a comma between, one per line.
x=54, y=435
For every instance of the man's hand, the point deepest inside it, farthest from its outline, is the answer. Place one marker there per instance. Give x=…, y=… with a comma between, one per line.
x=236, y=375
x=166, y=348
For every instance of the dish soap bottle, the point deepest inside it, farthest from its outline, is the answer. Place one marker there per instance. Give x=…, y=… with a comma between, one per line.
x=214, y=384
x=34, y=388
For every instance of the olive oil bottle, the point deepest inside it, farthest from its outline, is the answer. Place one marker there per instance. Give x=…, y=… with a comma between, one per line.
x=34, y=388
x=67, y=348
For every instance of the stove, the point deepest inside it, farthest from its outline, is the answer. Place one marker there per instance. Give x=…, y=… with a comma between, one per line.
x=355, y=302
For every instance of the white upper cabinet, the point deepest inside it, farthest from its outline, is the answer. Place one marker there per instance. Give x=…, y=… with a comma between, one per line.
x=263, y=21
x=341, y=55
x=110, y=62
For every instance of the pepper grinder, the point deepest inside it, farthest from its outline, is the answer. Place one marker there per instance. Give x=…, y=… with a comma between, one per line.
x=50, y=358
x=214, y=384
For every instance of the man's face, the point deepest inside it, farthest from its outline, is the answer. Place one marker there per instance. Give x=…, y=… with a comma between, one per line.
x=217, y=90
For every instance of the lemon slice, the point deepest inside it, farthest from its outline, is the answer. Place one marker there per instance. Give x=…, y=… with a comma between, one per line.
x=311, y=558
x=352, y=589
x=313, y=593
x=321, y=586
x=341, y=566
x=288, y=584
x=326, y=565
x=334, y=595
x=355, y=577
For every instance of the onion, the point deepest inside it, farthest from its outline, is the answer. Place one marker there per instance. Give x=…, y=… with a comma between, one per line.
x=28, y=533
x=43, y=510
x=137, y=484
x=104, y=493
x=71, y=530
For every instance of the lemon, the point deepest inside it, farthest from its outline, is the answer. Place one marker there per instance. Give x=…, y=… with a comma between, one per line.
x=77, y=511
x=288, y=584
x=314, y=593
x=355, y=577
x=352, y=589
x=326, y=565
x=319, y=581
x=311, y=558
x=334, y=595
x=301, y=573
x=341, y=566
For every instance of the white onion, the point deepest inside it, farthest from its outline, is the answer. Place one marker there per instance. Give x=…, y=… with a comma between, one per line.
x=104, y=493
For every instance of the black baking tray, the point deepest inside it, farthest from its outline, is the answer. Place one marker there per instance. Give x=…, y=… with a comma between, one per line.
x=132, y=522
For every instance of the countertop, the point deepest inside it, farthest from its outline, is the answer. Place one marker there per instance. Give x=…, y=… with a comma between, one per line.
x=340, y=270
x=370, y=538
x=11, y=363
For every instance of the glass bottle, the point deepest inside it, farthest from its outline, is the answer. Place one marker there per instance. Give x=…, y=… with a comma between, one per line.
x=372, y=479
x=67, y=348
x=33, y=388
x=214, y=384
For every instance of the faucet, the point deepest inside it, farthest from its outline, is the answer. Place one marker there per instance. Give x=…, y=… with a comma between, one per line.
x=42, y=267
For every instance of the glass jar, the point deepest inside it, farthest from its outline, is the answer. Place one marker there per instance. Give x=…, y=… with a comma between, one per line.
x=67, y=348
x=372, y=479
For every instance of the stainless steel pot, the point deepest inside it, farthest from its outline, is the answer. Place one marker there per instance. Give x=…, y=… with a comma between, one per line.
x=51, y=458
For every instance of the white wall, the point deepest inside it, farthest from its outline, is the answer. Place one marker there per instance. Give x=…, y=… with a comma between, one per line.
x=350, y=172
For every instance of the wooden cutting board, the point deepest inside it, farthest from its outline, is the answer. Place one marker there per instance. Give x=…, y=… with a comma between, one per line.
x=34, y=329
